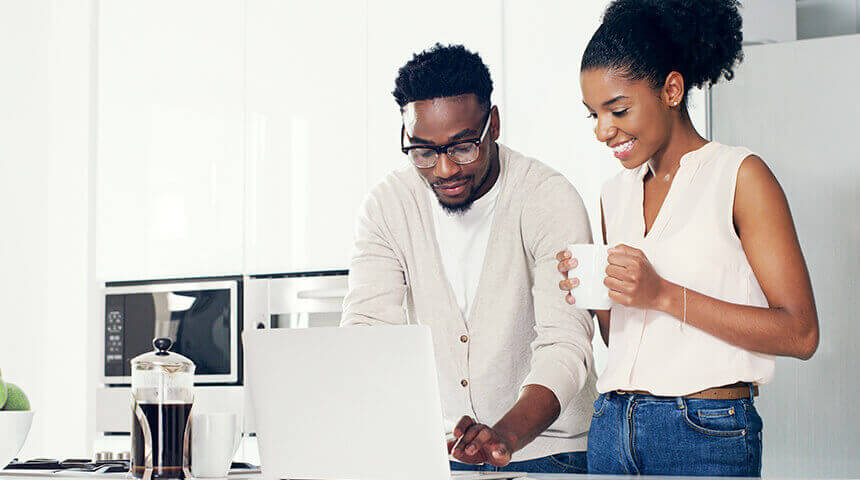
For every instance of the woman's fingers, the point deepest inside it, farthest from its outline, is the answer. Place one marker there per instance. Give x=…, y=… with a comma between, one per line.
x=620, y=273
x=622, y=249
x=617, y=285
x=621, y=260
x=620, y=298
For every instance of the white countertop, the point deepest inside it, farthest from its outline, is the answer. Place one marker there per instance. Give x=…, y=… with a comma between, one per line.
x=20, y=475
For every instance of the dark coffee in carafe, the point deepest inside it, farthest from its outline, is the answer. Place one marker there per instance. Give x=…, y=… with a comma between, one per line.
x=162, y=387
x=165, y=427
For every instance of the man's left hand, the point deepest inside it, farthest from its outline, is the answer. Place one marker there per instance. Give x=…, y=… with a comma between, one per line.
x=478, y=443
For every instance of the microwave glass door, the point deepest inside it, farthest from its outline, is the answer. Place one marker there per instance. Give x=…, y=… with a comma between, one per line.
x=200, y=320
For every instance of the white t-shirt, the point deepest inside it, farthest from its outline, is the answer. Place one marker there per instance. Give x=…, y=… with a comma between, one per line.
x=463, y=239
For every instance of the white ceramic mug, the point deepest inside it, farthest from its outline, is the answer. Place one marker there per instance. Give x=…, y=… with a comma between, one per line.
x=592, y=261
x=214, y=440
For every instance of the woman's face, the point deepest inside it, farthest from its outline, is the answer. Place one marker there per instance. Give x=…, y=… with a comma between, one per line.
x=629, y=116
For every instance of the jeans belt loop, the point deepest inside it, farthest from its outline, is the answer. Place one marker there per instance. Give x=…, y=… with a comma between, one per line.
x=681, y=403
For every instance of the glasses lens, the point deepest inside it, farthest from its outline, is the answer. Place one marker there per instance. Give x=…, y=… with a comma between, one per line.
x=463, y=152
x=422, y=157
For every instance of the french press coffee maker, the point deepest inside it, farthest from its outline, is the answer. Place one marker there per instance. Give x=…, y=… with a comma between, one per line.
x=162, y=386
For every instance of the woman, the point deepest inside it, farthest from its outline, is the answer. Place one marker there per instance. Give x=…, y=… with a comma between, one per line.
x=706, y=276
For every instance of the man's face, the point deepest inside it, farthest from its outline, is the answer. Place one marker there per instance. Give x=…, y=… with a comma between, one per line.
x=440, y=121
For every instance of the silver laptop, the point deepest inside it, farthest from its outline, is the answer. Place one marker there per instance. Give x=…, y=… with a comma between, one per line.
x=358, y=403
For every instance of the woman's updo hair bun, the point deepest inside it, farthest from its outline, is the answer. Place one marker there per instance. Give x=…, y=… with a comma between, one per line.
x=648, y=39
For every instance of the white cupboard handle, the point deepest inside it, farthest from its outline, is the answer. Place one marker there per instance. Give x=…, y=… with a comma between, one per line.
x=329, y=293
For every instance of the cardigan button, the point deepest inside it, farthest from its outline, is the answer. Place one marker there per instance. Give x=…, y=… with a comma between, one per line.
x=464, y=338
x=464, y=382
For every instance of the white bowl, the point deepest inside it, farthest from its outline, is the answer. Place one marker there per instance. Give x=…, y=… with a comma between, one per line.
x=14, y=427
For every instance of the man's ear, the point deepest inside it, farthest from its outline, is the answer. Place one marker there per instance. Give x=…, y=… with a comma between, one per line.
x=495, y=123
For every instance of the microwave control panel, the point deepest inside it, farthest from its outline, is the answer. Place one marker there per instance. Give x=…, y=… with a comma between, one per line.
x=114, y=319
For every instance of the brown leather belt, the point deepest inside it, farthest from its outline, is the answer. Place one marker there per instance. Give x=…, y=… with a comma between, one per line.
x=728, y=392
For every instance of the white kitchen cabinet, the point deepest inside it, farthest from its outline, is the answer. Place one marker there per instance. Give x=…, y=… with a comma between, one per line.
x=769, y=21
x=322, y=125
x=242, y=136
x=170, y=138
x=398, y=29
x=307, y=137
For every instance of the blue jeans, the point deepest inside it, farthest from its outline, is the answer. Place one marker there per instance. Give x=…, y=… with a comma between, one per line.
x=570, y=462
x=634, y=434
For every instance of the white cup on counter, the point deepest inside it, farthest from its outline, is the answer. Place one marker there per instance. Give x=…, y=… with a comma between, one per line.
x=215, y=438
x=592, y=261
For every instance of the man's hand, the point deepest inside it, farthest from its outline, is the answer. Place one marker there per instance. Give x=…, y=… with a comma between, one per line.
x=477, y=443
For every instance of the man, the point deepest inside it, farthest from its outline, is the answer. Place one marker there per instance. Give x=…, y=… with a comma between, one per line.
x=464, y=240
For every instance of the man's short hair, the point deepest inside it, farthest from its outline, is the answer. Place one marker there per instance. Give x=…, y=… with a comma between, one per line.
x=443, y=71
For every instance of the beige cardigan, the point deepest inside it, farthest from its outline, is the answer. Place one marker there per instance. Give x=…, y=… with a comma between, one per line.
x=520, y=330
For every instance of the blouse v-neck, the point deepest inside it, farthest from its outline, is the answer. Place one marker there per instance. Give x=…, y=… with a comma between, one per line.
x=682, y=174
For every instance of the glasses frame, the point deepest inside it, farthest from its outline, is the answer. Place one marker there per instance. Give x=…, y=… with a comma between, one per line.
x=440, y=149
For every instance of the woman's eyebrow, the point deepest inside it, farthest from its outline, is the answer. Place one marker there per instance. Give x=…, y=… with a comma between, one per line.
x=609, y=102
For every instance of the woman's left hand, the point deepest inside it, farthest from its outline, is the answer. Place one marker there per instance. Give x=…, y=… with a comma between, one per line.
x=632, y=280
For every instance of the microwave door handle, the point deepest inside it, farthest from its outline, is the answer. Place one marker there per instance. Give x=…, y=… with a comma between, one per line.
x=322, y=294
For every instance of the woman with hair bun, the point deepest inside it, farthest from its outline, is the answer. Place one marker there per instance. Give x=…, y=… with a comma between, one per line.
x=706, y=275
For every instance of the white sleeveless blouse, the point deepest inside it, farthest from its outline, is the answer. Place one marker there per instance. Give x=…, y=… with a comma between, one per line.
x=692, y=243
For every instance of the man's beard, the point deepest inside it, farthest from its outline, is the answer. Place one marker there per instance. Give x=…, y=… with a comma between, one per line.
x=461, y=208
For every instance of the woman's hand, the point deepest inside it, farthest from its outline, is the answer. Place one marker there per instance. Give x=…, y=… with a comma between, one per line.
x=632, y=280
x=565, y=264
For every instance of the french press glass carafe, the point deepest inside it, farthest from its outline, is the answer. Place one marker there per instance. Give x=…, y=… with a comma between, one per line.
x=162, y=385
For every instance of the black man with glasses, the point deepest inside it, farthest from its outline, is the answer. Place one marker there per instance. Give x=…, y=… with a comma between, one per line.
x=463, y=240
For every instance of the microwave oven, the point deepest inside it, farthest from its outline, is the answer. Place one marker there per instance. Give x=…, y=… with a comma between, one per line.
x=203, y=318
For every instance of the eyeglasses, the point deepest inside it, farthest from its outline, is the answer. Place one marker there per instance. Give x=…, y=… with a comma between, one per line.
x=461, y=152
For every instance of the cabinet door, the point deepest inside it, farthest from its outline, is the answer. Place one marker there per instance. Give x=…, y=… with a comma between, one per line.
x=170, y=132
x=307, y=133
x=398, y=29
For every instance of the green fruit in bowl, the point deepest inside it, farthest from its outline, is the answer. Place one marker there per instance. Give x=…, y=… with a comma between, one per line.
x=3, y=392
x=15, y=398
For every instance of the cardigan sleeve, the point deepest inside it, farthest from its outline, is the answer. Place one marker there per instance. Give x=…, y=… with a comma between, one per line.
x=377, y=284
x=554, y=217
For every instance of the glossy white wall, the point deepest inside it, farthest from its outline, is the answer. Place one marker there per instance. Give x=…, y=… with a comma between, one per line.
x=46, y=189
x=170, y=133
x=396, y=30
